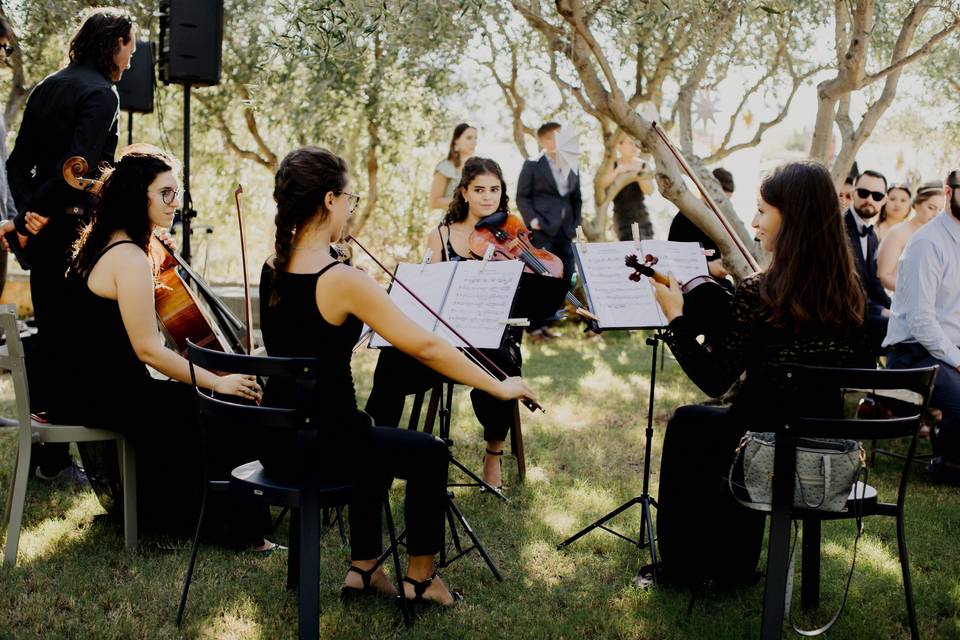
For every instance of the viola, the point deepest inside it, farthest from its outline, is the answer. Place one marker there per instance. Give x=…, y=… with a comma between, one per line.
x=510, y=239
x=707, y=304
x=179, y=309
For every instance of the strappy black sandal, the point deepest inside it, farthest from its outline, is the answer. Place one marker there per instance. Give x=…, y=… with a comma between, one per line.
x=498, y=454
x=348, y=593
x=420, y=587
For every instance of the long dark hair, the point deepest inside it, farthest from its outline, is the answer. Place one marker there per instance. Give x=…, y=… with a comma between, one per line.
x=453, y=155
x=475, y=166
x=95, y=42
x=123, y=203
x=812, y=281
x=303, y=180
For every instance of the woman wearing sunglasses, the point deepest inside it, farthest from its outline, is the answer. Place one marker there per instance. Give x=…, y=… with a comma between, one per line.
x=112, y=337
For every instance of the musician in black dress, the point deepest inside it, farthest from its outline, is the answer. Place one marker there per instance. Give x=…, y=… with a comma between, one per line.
x=312, y=305
x=72, y=112
x=807, y=307
x=103, y=381
x=481, y=192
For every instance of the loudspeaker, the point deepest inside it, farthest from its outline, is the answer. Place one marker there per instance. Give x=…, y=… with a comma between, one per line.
x=136, y=85
x=191, y=38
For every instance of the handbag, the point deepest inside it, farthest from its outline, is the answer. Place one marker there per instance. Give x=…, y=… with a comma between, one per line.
x=826, y=471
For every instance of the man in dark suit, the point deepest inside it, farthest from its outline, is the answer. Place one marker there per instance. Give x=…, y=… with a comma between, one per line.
x=550, y=203
x=869, y=194
x=73, y=112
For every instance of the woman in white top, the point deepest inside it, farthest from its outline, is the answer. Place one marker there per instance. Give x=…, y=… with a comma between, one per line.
x=895, y=210
x=447, y=175
x=928, y=203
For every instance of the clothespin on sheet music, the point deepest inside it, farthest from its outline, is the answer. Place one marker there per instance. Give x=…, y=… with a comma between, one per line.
x=487, y=255
x=581, y=239
x=635, y=230
x=709, y=252
x=516, y=322
x=426, y=258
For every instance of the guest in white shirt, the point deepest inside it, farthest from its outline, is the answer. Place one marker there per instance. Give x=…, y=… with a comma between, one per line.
x=924, y=326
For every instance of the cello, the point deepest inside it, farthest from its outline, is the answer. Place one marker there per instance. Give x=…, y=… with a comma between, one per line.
x=179, y=309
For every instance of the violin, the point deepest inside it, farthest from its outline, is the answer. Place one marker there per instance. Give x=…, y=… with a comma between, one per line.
x=707, y=304
x=179, y=310
x=510, y=239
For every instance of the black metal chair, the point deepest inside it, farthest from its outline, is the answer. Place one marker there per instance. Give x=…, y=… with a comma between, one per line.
x=863, y=502
x=305, y=495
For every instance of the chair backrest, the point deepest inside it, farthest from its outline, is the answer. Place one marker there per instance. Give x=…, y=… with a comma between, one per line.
x=303, y=371
x=805, y=381
x=12, y=360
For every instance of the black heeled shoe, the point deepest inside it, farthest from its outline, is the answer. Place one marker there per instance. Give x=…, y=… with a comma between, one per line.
x=420, y=587
x=349, y=594
x=498, y=454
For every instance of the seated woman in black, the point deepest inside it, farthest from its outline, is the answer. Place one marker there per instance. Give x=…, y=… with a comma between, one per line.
x=312, y=305
x=111, y=338
x=481, y=192
x=807, y=307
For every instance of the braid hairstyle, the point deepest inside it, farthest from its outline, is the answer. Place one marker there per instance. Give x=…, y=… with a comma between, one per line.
x=123, y=204
x=475, y=166
x=303, y=180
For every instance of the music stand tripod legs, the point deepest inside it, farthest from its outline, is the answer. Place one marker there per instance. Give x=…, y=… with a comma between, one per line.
x=647, y=538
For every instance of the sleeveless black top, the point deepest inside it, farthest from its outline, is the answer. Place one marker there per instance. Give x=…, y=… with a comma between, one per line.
x=294, y=327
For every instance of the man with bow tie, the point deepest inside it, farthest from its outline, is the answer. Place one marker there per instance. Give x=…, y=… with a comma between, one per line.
x=868, y=195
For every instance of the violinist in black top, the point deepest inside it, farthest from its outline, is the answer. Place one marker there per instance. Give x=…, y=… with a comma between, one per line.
x=807, y=307
x=481, y=192
x=313, y=305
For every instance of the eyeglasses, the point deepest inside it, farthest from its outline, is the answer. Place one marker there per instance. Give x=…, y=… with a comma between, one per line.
x=8, y=48
x=876, y=195
x=354, y=200
x=168, y=195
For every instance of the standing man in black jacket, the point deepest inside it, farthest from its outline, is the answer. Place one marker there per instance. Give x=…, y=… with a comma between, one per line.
x=868, y=195
x=73, y=112
x=550, y=203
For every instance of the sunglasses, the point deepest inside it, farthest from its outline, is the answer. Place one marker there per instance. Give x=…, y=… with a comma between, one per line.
x=866, y=193
x=9, y=49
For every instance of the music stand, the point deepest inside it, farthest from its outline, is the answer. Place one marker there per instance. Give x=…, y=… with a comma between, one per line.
x=647, y=537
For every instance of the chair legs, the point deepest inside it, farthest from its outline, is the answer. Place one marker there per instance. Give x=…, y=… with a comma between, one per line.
x=309, y=567
x=16, y=500
x=907, y=582
x=193, y=555
x=516, y=443
x=778, y=561
x=810, y=563
x=398, y=572
x=128, y=470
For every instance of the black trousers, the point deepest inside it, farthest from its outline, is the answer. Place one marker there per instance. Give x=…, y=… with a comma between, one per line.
x=702, y=532
x=562, y=247
x=398, y=375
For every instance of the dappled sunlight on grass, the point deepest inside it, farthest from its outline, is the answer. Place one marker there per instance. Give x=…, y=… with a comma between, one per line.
x=872, y=555
x=46, y=538
x=544, y=565
x=239, y=620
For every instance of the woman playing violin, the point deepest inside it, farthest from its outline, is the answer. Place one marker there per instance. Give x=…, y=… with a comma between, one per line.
x=112, y=338
x=807, y=307
x=480, y=193
x=312, y=305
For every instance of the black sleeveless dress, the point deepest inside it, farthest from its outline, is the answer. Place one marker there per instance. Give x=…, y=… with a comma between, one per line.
x=103, y=384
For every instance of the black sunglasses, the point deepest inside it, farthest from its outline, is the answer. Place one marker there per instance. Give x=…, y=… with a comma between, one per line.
x=8, y=48
x=866, y=193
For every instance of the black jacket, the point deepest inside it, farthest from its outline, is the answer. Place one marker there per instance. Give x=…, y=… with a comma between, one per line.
x=877, y=298
x=538, y=197
x=72, y=112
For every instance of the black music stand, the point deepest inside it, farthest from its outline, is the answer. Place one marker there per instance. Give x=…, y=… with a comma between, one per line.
x=647, y=537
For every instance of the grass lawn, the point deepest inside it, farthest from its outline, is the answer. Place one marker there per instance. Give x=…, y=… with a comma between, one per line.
x=584, y=457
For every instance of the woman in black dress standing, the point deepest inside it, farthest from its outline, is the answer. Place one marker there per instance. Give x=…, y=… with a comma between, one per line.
x=807, y=307
x=312, y=305
x=111, y=338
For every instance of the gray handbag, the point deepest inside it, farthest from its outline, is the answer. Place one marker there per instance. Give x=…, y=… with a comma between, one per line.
x=826, y=471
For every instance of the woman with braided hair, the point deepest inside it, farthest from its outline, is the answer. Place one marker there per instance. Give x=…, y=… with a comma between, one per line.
x=314, y=306
x=115, y=337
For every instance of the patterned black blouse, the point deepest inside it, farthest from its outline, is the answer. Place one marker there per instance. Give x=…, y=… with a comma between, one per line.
x=757, y=347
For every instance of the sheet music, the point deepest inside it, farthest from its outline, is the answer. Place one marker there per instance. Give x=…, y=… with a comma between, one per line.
x=475, y=299
x=430, y=282
x=621, y=303
x=479, y=301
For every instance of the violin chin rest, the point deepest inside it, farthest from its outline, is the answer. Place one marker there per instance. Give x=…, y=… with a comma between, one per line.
x=492, y=221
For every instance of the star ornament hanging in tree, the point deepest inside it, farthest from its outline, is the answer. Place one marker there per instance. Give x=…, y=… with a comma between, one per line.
x=705, y=107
